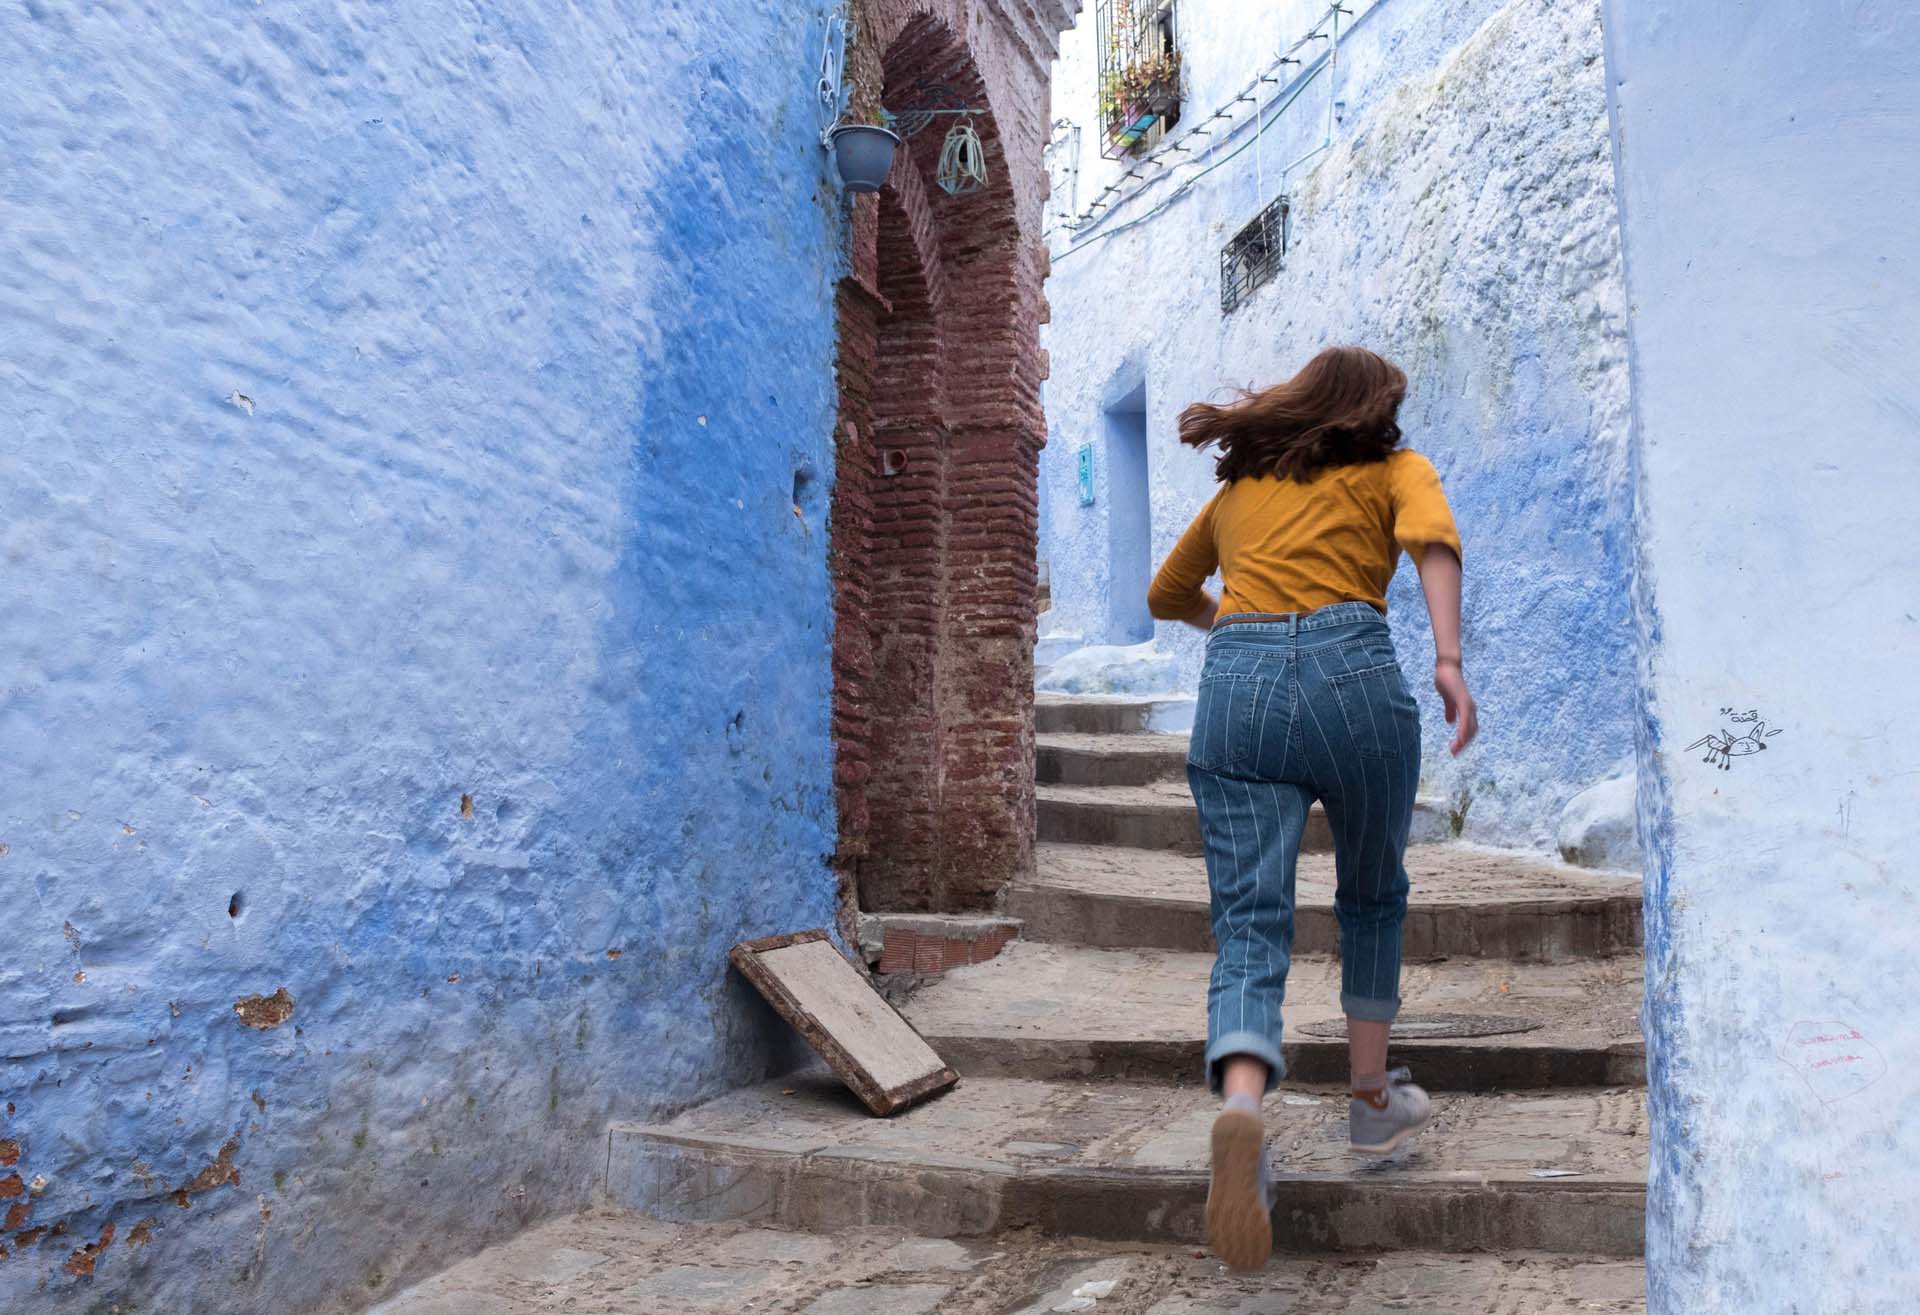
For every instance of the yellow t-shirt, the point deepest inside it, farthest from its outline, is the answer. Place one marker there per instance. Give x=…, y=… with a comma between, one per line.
x=1286, y=547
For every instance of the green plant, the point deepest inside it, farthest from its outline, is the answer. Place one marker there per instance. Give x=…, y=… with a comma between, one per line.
x=1150, y=78
x=874, y=115
x=1457, y=807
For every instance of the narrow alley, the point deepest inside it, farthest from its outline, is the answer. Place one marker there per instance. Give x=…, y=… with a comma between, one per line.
x=602, y=610
x=1077, y=1116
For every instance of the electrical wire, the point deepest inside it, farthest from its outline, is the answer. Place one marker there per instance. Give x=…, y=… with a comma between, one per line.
x=1186, y=184
x=1262, y=117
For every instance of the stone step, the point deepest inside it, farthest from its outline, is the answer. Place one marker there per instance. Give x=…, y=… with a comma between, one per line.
x=923, y=944
x=1065, y=1012
x=1067, y=759
x=1161, y=815
x=1129, y=1162
x=1098, y=714
x=618, y=1261
x=1466, y=901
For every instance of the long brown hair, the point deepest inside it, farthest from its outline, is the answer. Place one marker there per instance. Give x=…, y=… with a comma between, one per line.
x=1341, y=410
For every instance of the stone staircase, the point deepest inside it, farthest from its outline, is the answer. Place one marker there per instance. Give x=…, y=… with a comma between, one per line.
x=1080, y=1112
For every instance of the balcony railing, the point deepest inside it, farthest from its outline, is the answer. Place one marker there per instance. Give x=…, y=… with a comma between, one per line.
x=1139, y=73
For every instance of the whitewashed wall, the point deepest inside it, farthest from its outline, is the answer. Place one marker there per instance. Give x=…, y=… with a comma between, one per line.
x=1462, y=221
x=1768, y=190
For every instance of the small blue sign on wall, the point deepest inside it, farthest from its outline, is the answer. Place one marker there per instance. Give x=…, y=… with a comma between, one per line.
x=1086, y=474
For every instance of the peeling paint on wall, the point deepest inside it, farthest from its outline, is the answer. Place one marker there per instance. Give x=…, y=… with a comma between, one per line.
x=80, y=1264
x=264, y=1012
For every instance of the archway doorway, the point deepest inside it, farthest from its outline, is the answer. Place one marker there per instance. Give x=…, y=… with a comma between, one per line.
x=935, y=510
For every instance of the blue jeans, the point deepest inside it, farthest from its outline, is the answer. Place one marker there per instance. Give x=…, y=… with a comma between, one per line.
x=1293, y=710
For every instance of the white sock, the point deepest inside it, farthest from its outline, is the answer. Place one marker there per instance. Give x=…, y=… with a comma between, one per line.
x=1245, y=1104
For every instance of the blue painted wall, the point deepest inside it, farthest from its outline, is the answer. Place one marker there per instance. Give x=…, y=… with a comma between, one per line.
x=1767, y=195
x=403, y=404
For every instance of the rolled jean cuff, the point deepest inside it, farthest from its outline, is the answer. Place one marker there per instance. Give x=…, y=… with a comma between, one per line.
x=1373, y=1011
x=1253, y=1046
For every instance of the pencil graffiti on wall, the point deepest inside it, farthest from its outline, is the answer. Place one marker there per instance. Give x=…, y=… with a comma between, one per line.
x=1743, y=734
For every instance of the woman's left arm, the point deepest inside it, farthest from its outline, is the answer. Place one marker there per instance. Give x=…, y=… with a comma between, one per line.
x=1178, y=593
x=1440, y=580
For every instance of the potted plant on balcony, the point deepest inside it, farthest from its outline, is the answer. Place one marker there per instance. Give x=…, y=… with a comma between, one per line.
x=863, y=149
x=1152, y=84
x=1134, y=98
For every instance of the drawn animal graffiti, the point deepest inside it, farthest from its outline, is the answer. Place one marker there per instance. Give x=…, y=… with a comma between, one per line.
x=1724, y=747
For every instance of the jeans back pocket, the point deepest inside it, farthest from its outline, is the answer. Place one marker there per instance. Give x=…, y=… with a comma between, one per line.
x=1223, y=720
x=1381, y=717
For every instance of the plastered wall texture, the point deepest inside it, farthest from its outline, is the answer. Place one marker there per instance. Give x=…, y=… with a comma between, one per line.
x=415, y=661
x=1767, y=199
x=1463, y=223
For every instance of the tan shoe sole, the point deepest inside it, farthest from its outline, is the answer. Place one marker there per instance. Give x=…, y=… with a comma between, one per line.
x=1239, y=1223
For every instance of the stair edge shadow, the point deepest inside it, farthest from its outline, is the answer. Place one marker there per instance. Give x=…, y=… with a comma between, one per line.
x=1542, y=931
x=1457, y=1067
x=690, y=1179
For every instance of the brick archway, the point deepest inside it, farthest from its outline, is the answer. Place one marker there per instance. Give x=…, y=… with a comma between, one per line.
x=935, y=512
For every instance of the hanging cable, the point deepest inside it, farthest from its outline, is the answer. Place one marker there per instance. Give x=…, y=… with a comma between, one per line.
x=1213, y=212
x=963, y=161
x=1200, y=127
x=1259, y=169
x=1186, y=184
x=1333, y=70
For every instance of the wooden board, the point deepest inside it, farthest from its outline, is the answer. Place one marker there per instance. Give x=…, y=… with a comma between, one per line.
x=864, y=1040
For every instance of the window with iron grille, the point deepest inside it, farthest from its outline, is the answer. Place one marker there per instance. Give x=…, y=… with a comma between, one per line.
x=1139, y=73
x=1253, y=255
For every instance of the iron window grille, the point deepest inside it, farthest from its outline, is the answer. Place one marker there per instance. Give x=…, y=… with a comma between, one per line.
x=1139, y=73
x=1253, y=255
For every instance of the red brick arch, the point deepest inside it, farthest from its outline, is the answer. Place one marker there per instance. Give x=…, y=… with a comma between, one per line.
x=934, y=517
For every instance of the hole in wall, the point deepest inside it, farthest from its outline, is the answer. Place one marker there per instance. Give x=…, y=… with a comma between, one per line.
x=236, y=904
x=892, y=462
x=806, y=490
x=800, y=481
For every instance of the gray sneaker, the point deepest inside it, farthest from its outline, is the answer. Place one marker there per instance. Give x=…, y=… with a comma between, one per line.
x=1240, y=1198
x=1376, y=1131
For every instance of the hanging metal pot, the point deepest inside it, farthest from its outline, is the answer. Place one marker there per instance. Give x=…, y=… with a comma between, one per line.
x=864, y=154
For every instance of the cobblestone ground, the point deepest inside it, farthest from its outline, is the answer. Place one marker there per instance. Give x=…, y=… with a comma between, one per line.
x=607, y=1263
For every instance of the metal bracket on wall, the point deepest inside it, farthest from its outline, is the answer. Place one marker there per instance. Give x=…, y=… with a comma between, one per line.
x=832, y=89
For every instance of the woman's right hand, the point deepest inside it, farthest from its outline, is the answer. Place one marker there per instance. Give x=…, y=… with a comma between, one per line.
x=1451, y=684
